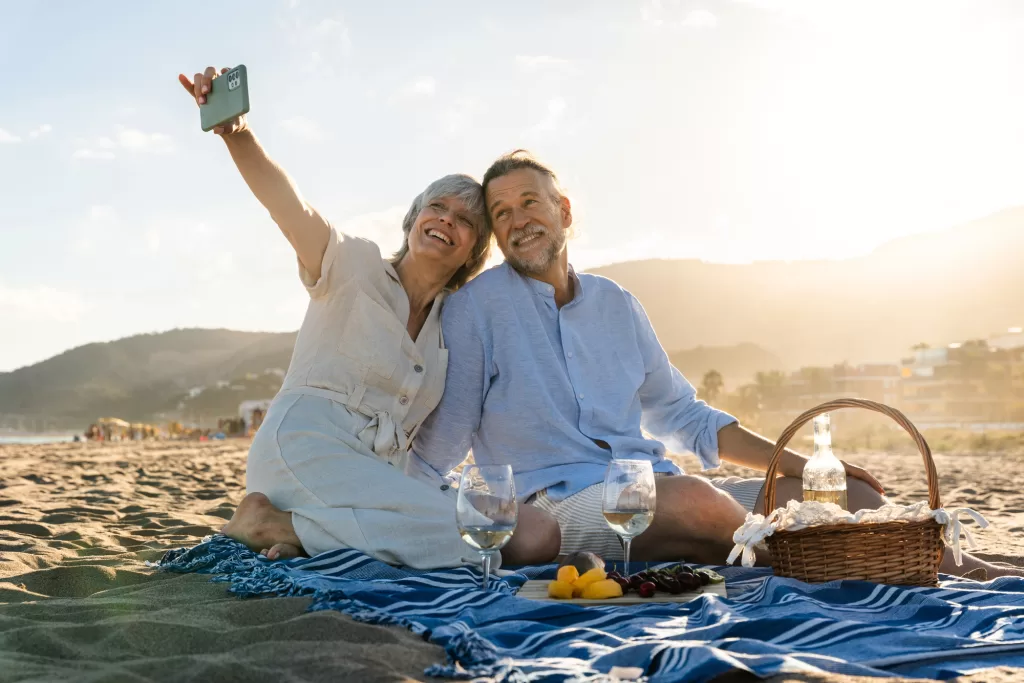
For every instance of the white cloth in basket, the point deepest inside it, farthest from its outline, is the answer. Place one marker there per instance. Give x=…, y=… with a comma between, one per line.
x=800, y=515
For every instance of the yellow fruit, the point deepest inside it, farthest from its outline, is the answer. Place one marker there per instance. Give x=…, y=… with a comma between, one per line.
x=602, y=590
x=589, y=577
x=568, y=573
x=561, y=590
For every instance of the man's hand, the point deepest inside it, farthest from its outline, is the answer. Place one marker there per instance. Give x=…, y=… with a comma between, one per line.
x=741, y=446
x=863, y=475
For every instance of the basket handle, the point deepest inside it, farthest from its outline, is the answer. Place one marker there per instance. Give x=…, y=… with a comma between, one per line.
x=897, y=416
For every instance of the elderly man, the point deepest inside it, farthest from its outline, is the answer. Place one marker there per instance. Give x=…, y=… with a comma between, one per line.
x=555, y=373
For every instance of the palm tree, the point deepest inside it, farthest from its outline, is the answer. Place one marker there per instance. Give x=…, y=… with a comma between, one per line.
x=771, y=389
x=710, y=386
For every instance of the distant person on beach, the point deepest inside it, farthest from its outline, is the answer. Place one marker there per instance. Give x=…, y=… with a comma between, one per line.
x=326, y=469
x=556, y=373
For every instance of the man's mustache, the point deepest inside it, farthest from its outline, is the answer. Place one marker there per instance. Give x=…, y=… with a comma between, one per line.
x=528, y=230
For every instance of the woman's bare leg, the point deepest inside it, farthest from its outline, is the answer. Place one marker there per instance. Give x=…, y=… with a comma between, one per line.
x=264, y=528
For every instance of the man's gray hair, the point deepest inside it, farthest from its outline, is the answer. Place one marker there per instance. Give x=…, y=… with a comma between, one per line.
x=522, y=158
x=469, y=191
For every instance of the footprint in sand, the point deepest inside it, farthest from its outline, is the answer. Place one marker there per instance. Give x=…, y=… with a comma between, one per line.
x=28, y=529
x=60, y=518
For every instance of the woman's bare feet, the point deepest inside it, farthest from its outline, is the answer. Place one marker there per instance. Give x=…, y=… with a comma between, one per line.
x=264, y=528
x=281, y=551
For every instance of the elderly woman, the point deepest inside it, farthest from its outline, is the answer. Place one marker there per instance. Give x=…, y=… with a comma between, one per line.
x=326, y=469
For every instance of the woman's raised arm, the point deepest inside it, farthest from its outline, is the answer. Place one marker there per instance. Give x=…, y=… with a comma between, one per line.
x=306, y=229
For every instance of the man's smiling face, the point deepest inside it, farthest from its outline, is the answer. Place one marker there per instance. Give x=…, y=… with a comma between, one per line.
x=530, y=219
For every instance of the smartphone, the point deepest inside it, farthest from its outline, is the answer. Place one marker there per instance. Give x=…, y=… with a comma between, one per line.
x=227, y=99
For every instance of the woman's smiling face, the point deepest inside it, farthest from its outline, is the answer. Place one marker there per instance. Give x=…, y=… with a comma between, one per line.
x=445, y=230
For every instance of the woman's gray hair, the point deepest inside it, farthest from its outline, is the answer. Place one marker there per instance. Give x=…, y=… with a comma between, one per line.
x=469, y=191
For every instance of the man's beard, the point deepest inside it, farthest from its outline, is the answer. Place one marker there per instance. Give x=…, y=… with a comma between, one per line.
x=538, y=263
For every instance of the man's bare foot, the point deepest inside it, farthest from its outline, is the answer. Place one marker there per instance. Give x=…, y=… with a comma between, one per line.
x=994, y=571
x=973, y=567
x=260, y=525
x=281, y=551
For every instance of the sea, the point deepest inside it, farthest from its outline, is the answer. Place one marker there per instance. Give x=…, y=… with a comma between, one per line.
x=36, y=438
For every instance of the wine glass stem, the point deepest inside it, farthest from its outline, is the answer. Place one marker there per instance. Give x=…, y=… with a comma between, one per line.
x=625, y=552
x=487, y=570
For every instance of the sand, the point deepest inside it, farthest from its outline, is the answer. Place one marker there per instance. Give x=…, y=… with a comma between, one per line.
x=78, y=522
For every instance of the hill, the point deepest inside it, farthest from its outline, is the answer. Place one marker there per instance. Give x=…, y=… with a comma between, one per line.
x=136, y=377
x=737, y=364
x=965, y=282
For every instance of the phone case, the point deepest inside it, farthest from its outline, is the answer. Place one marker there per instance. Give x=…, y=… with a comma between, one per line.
x=228, y=98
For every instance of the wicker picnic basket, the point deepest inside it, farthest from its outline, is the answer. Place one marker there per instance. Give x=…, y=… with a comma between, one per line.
x=902, y=553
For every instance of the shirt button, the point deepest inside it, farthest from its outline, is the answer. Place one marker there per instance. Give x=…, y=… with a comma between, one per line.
x=404, y=400
x=418, y=367
x=569, y=354
x=444, y=487
x=581, y=396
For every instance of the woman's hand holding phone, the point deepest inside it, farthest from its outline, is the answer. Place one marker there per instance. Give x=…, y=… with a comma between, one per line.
x=200, y=86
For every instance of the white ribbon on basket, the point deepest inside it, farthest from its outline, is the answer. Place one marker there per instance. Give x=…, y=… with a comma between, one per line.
x=801, y=515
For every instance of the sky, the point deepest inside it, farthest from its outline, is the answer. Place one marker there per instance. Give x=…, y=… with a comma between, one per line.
x=721, y=130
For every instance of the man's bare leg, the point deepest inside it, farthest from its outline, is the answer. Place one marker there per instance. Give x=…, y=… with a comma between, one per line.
x=694, y=520
x=264, y=528
x=860, y=496
x=537, y=539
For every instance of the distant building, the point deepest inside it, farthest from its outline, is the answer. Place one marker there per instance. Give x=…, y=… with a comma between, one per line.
x=963, y=383
x=1013, y=338
x=875, y=381
x=247, y=408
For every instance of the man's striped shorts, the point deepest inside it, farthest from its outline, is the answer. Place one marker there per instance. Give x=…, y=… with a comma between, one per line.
x=582, y=522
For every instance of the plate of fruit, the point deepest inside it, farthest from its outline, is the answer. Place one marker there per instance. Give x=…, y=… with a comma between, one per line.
x=582, y=579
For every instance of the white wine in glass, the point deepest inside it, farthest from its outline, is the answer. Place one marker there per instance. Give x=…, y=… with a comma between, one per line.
x=629, y=500
x=486, y=511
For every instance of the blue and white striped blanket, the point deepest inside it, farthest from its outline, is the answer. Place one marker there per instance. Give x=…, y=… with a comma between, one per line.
x=767, y=626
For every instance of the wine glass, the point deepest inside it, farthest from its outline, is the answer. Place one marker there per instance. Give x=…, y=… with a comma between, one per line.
x=486, y=511
x=629, y=497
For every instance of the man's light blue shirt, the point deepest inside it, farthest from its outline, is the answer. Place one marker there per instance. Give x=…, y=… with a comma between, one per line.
x=537, y=387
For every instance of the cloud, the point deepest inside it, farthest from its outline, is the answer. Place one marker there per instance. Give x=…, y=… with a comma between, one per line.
x=102, y=212
x=153, y=240
x=382, y=227
x=136, y=140
x=460, y=114
x=100, y=155
x=544, y=63
x=6, y=137
x=326, y=41
x=556, y=109
x=331, y=27
x=424, y=87
x=98, y=229
x=305, y=129
x=128, y=139
x=657, y=14
x=41, y=303
x=41, y=130
x=699, y=18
